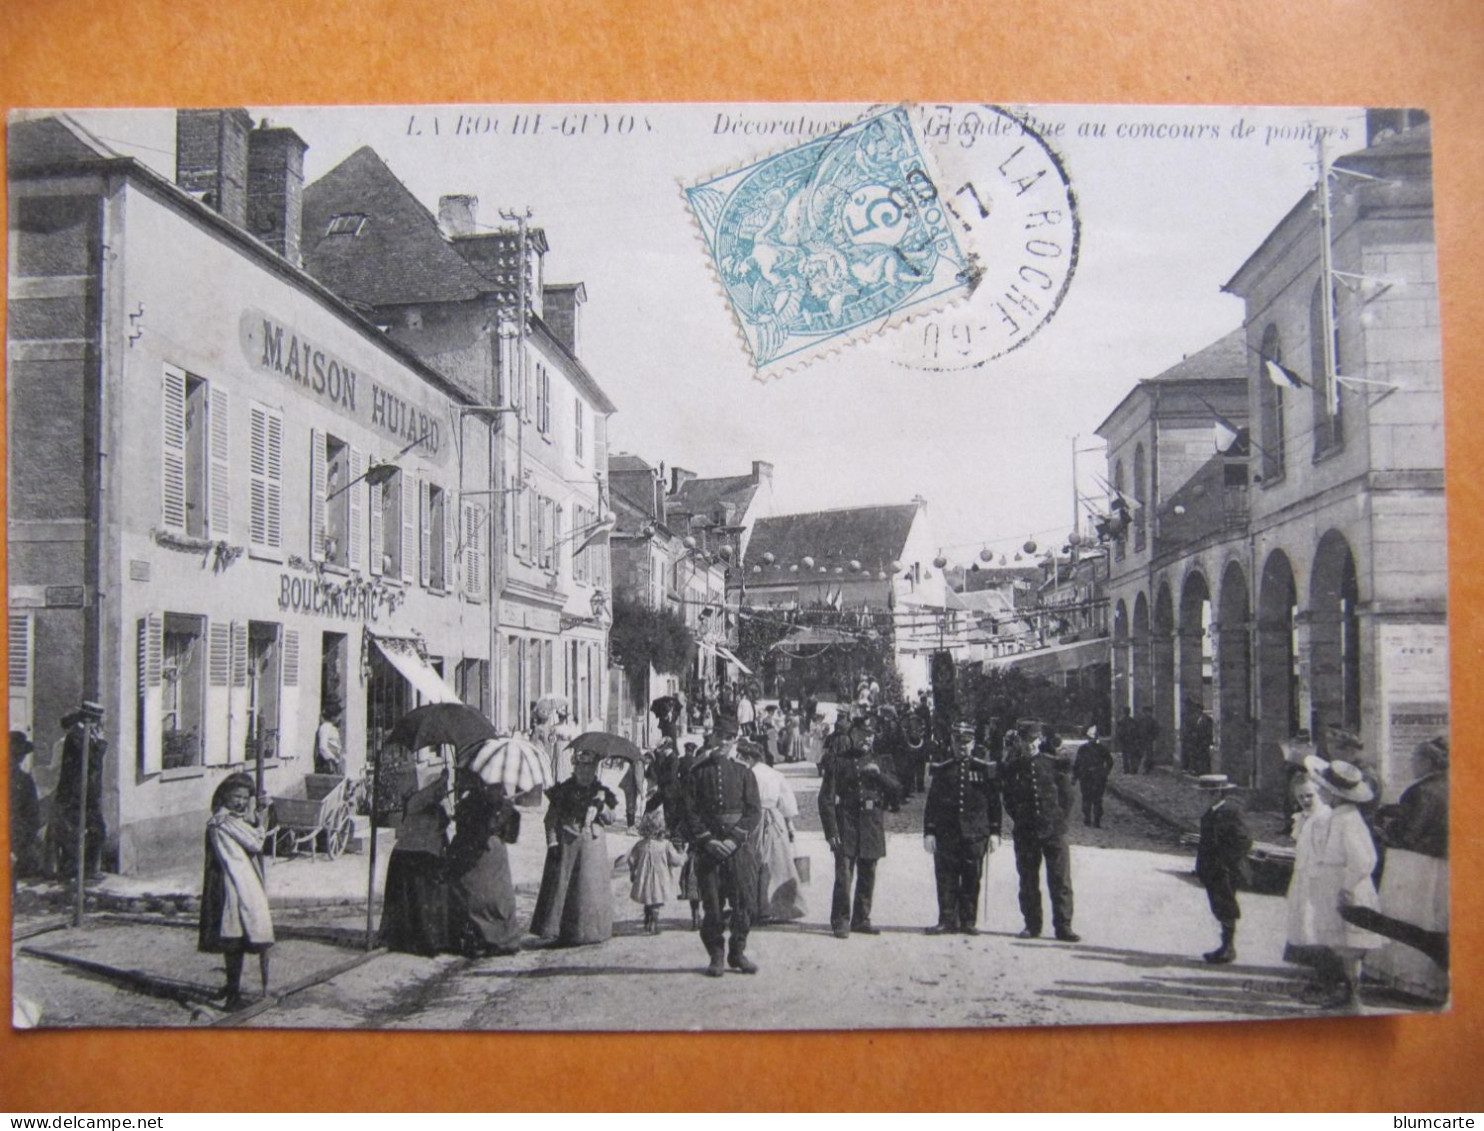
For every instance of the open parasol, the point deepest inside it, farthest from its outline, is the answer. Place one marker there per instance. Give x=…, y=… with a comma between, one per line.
x=516, y=763
x=606, y=745
x=442, y=724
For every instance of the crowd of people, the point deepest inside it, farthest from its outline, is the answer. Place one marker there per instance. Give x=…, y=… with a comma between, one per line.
x=716, y=824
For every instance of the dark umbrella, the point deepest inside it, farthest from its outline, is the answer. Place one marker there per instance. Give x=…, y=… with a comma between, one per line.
x=606, y=745
x=1434, y=944
x=442, y=724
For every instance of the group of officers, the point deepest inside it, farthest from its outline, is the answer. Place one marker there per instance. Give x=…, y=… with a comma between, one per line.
x=871, y=762
x=874, y=760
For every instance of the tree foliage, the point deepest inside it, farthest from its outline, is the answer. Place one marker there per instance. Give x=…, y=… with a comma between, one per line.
x=642, y=637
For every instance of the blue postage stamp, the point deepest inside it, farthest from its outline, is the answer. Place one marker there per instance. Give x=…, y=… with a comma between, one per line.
x=832, y=240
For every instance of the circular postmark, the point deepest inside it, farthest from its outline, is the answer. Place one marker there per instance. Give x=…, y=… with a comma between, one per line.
x=1009, y=191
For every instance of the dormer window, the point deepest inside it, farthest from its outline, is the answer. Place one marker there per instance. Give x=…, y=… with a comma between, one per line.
x=346, y=224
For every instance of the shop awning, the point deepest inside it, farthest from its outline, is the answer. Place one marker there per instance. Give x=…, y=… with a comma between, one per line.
x=403, y=655
x=1057, y=658
x=731, y=657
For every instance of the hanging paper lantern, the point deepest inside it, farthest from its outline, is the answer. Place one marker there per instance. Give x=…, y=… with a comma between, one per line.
x=793, y=568
x=839, y=569
x=855, y=566
x=757, y=569
x=927, y=575
x=725, y=553
x=808, y=563
x=986, y=555
x=824, y=569
x=881, y=576
x=940, y=561
x=768, y=558
x=1018, y=555
x=896, y=567
x=1030, y=547
x=688, y=542
x=1003, y=559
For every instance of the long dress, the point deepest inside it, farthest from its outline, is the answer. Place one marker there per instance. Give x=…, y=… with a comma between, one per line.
x=234, y=903
x=778, y=876
x=414, y=913
x=575, y=905
x=651, y=871
x=1414, y=886
x=1333, y=853
x=481, y=894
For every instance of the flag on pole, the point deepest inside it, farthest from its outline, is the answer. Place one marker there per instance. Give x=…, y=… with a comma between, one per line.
x=1225, y=434
x=1281, y=376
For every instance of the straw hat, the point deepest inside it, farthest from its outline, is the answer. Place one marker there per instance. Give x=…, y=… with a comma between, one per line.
x=1216, y=783
x=1340, y=779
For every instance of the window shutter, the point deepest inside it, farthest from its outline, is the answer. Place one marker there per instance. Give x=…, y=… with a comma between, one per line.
x=473, y=553
x=600, y=442
x=22, y=672
x=218, y=723
x=265, y=475
x=237, y=748
x=409, y=526
x=173, y=511
x=219, y=407
x=317, y=491
x=425, y=527
x=356, y=510
x=151, y=717
x=538, y=538
x=288, y=703
x=373, y=552
x=450, y=544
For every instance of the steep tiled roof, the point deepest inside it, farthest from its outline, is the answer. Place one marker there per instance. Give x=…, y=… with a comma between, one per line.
x=397, y=256
x=623, y=461
x=700, y=496
x=46, y=141
x=1220, y=360
x=874, y=536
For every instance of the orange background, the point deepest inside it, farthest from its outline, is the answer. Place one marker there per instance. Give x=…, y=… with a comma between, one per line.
x=1358, y=52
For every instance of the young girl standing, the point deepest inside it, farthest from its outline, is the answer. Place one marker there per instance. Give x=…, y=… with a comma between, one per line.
x=235, y=919
x=650, y=869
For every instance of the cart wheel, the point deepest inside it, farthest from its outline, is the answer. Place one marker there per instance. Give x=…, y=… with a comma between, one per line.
x=338, y=837
x=283, y=842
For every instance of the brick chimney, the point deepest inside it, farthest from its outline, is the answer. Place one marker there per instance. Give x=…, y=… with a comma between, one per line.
x=679, y=477
x=456, y=214
x=275, y=189
x=561, y=307
x=211, y=158
x=762, y=472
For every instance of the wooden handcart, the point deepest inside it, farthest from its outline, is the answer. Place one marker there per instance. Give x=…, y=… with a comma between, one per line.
x=317, y=817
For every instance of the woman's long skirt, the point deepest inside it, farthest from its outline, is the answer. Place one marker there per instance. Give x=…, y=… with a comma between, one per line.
x=1414, y=889
x=778, y=877
x=575, y=905
x=482, y=902
x=414, y=910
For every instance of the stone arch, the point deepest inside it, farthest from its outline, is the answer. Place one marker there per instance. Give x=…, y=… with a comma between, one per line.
x=1277, y=670
x=1162, y=663
x=1122, y=689
x=1195, y=657
x=1334, y=636
x=1142, y=686
x=1233, y=706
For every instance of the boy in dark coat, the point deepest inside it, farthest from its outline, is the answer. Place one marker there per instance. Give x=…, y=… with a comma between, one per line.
x=1221, y=861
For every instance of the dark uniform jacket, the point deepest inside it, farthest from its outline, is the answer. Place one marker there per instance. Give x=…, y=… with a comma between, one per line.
x=1093, y=763
x=721, y=800
x=1225, y=843
x=1038, y=795
x=963, y=803
x=852, y=801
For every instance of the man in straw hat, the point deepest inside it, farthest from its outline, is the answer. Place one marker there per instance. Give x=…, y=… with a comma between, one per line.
x=1221, y=861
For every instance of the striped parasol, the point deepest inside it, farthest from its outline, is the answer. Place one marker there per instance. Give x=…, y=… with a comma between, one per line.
x=516, y=763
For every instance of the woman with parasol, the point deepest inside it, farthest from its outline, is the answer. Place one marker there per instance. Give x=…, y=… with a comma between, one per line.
x=575, y=905
x=481, y=894
x=414, y=911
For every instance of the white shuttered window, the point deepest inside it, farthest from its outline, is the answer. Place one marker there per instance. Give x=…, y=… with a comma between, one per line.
x=265, y=474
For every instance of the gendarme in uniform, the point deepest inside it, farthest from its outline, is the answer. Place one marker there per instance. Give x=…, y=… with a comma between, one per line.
x=961, y=817
x=853, y=798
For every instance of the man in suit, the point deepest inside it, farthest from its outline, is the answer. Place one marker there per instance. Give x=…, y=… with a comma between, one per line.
x=1126, y=738
x=1037, y=792
x=721, y=811
x=1221, y=861
x=960, y=827
x=853, y=797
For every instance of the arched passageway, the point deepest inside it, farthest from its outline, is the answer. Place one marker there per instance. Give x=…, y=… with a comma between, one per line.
x=1277, y=670
x=1233, y=708
x=1334, y=637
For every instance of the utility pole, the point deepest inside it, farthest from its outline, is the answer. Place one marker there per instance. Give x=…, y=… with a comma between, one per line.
x=1326, y=283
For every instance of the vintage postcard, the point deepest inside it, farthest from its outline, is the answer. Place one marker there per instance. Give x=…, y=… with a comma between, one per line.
x=725, y=566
